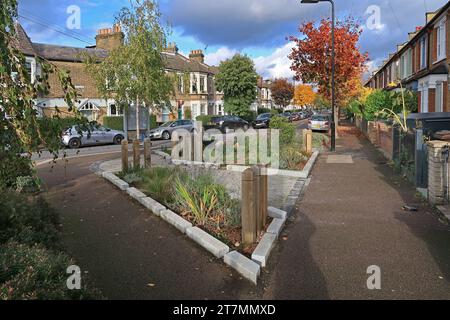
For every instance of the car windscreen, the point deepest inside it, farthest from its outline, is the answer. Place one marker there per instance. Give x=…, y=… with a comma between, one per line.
x=263, y=116
x=167, y=124
x=319, y=118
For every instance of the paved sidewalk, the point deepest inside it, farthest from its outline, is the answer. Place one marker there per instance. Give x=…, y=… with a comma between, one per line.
x=351, y=218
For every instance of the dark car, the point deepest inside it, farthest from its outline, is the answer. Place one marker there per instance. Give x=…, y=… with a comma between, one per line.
x=228, y=123
x=262, y=121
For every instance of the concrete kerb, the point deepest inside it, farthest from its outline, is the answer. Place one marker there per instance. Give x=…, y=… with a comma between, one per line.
x=248, y=268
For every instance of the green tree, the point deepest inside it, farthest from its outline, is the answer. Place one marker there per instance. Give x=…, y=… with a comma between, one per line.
x=135, y=72
x=237, y=79
x=21, y=132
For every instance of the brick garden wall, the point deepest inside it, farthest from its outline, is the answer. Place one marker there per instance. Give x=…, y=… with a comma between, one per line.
x=379, y=134
x=438, y=174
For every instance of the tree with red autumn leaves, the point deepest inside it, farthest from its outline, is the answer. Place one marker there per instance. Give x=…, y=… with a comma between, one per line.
x=311, y=57
x=282, y=92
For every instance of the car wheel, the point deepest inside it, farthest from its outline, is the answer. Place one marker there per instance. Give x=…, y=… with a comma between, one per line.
x=74, y=143
x=118, y=139
x=166, y=135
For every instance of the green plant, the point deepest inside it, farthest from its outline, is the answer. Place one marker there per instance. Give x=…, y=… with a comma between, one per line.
x=115, y=123
x=291, y=157
x=205, y=119
x=36, y=273
x=27, y=220
x=376, y=102
x=287, y=130
x=153, y=123
x=158, y=182
x=199, y=203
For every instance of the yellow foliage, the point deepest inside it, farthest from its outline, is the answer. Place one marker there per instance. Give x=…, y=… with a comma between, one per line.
x=304, y=95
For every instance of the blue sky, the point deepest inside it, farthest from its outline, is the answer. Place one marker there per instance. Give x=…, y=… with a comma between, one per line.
x=257, y=28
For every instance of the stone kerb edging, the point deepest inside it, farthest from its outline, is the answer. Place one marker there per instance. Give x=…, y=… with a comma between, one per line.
x=303, y=174
x=248, y=268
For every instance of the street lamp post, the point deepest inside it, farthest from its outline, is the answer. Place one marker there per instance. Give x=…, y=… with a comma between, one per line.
x=333, y=68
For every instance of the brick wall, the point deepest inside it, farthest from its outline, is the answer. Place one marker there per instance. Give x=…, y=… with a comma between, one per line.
x=438, y=174
x=79, y=77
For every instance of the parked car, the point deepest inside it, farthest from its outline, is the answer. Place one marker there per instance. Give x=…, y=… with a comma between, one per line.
x=90, y=135
x=320, y=122
x=296, y=116
x=165, y=131
x=262, y=121
x=287, y=115
x=227, y=123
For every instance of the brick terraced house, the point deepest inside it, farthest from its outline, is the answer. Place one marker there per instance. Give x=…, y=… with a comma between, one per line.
x=421, y=64
x=196, y=96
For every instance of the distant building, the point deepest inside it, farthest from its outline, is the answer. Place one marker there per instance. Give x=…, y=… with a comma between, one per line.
x=197, y=96
x=421, y=64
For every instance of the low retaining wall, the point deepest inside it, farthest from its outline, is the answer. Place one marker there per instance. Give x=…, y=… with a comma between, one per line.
x=379, y=134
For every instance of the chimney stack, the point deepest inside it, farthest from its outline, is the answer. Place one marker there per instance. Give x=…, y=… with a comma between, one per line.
x=171, y=48
x=197, y=55
x=109, y=38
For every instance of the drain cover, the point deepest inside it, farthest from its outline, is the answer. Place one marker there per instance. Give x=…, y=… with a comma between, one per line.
x=340, y=159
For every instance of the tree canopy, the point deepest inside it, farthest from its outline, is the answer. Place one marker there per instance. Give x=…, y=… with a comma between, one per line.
x=237, y=79
x=282, y=92
x=135, y=72
x=304, y=95
x=311, y=56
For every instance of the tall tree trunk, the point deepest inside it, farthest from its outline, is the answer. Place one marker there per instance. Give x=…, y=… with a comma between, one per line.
x=137, y=119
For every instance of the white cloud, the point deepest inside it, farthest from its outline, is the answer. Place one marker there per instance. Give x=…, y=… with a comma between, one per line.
x=224, y=53
x=276, y=65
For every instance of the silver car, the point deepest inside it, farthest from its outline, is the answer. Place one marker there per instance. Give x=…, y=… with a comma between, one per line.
x=320, y=122
x=90, y=135
x=165, y=131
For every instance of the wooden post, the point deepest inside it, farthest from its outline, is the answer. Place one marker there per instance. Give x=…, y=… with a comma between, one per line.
x=264, y=194
x=136, y=155
x=147, y=153
x=124, y=155
x=248, y=207
x=304, y=132
x=309, y=141
x=257, y=198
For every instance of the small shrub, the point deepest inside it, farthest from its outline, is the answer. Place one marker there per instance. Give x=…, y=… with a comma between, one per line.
x=34, y=272
x=159, y=183
x=204, y=119
x=28, y=220
x=287, y=130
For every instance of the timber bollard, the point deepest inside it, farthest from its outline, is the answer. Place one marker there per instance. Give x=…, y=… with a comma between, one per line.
x=248, y=207
x=309, y=141
x=147, y=153
x=264, y=194
x=257, y=198
x=124, y=155
x=136, y=155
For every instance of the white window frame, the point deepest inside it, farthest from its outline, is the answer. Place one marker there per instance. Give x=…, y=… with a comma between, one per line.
x=423, y=52
x=118, y=109
x=441, y=40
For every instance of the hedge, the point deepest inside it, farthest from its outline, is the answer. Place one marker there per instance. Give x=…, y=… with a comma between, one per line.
x=204, y=119
x=115, y=123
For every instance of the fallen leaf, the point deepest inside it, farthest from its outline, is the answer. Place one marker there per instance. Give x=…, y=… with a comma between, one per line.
x=151, y=285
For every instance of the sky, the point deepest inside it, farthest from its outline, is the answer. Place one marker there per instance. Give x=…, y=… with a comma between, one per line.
x=222, y=28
